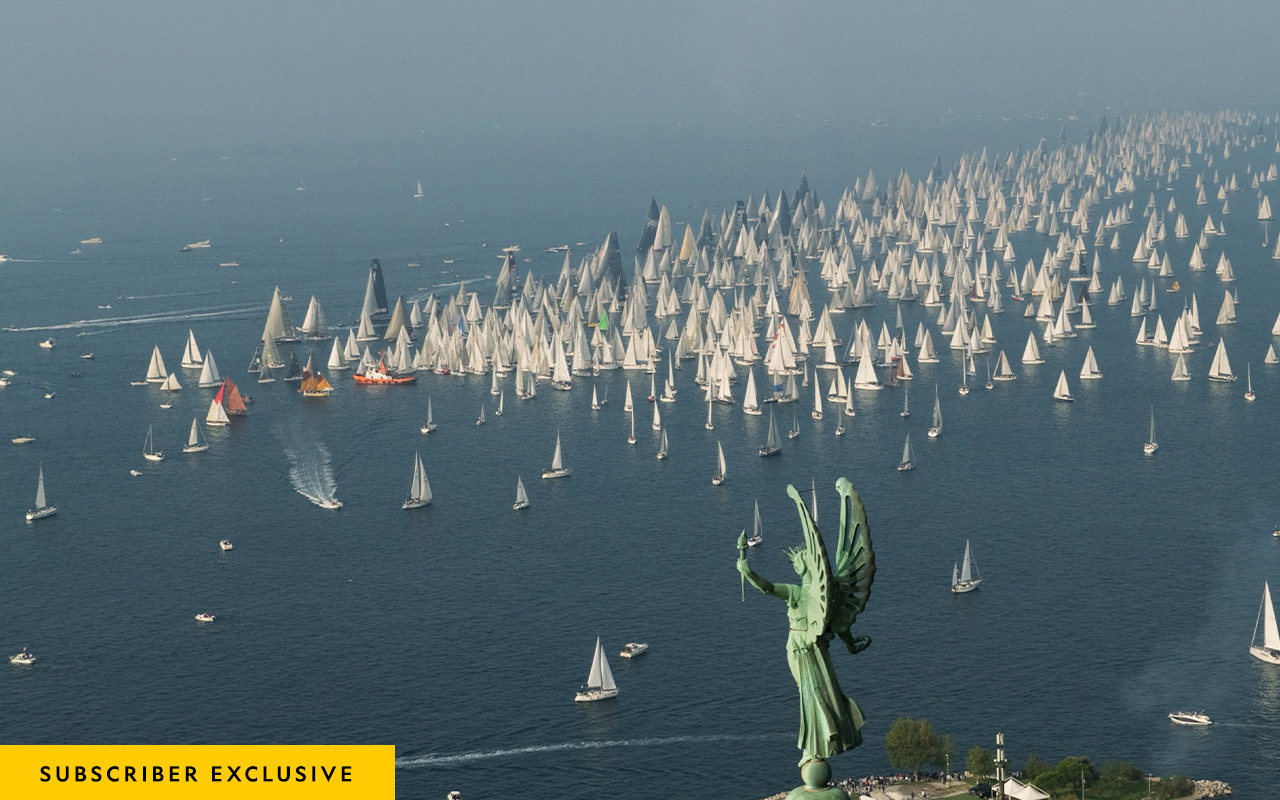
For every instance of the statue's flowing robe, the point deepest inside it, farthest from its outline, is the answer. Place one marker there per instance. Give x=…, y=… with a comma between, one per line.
x=830, y=723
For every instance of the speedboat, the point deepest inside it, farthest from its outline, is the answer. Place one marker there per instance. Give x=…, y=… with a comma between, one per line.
x=166, y=406
x=205, y=616
x=134, y=473
x=1190, y=718
x=23, y=439
x=331, y=504
x=24, y=658
x=49, y=394
x=225, y=544
x=633, y=649
x=48, y=344
x=200, y=245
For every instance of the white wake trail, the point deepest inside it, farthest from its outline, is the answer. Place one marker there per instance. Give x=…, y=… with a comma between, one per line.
x=311, y=471
x=440, y=759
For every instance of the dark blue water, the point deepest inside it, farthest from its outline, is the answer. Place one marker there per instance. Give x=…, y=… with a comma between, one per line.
x=1117, y=587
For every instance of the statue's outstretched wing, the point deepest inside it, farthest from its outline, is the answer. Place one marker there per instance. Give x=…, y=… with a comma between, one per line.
x=820, y=584
x=855, y=561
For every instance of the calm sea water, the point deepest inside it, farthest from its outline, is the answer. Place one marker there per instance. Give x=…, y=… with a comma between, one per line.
x=1117, y=587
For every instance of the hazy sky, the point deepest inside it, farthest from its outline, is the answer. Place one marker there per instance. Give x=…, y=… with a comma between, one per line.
x=121, y=79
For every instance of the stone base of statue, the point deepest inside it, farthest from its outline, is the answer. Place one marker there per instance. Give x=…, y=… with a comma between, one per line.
x=816, y=773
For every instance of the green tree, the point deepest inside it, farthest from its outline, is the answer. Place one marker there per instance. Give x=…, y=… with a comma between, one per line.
x=946, y=753
x=1176, y=786
x=1065, y=778
x=1115, y=773
x=911, y=744
x=1035, y=766
x=981, y=762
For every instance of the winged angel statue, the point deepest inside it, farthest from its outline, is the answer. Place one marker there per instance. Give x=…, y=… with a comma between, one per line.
x=826, y=602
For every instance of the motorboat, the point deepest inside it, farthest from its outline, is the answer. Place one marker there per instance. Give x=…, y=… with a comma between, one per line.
x=24, y=658
x=203, y=244
x=87, y=356
x=134, y=473
x=225, y=544
x=1190, y=718
x=23, y=439
x=49, y=344
x=330, y=503
x=633, y=649
x=205, y=616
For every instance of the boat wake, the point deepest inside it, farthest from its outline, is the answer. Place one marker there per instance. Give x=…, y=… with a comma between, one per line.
x=311, y=471
x=243, y=310
x=440, y=759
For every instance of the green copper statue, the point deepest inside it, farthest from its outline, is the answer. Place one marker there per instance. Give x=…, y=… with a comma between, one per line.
x=826, y=603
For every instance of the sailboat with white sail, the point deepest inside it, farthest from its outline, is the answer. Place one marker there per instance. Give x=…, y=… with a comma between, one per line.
x=419, y=488
x=721, y=468
x=42, y=508
x=557, y=469
x=936, y=429
x=757, y=529
x=1150, y=446
x=480, y=420
x=149, y=451
x=750, y=399
x=662, y=449
x=522, y=497
x=1220, y=369
x=430, y=424
x=906, y=409
x=967, y=578
x=1062, y=392
x=773, y=442
x=600, y=684
x=195, y=440
x=191, y=353
x=1248, y=392
x=908, y=461
x=1270, y=649
x=502, y=395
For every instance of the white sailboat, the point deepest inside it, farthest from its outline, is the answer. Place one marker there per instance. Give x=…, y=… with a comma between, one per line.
x=418, y=195
x=1248, y=392
x=906, y=409
x=419, y=488
x=480, y=420
x=156, y=373
x=750, y=399
x=600, y=685
x=430, y=424
x=1180, y=372
x=757, y=529
x=908, y=461
x=42, y=508
x=1270, y=649
x=662, y=450
x=773, y=442
x=1062, y=392
x=1220, y=369
x=1150, y=446
x=191, y=353
x=209, y=375
x=627, y=403
x=149, y=451
x=502, y=395
x=721, y=471
x=936, y=429
x=522, y=497
x=557, y=469
x=195, y=441
x=595, y=399
x=709, y=426
x=968, y=578
x=1090, y=369
x=817, y=399
x=657, y=418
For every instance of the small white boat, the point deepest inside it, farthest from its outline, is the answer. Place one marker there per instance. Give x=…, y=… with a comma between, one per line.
x=1150, y=446
x=25, y=658
x=195, y=441
x=662, y=450
x=134, y=473
x=332, y=504
x=1248, y=392
x=773, y=442
x=522, y=497
x=23, y=439
x=225, y=544
x=936, y=430
x=430, y=424
x=908, y=461
x=205, y=616
x=1269, y=651
x=149, y=451
x=419, y=488
x=1062, y=392
x=633, y=649
x=600, y=685
x=557, y=469
x=42, y=509
x=967, y=578
x=1190, y=718
x=49, y=344
x=87, y=356
x=718, y=478
x=480, y=420
x=757, y=535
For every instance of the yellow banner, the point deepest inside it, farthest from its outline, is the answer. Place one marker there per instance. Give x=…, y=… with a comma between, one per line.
x=198, y=771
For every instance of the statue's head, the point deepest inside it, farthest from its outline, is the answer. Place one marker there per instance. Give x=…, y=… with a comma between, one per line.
x=796, y=555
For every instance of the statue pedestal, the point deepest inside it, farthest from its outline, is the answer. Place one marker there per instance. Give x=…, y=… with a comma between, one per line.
x=816, y=773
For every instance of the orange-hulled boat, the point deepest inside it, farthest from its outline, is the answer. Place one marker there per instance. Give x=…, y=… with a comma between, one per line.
x=381, y=376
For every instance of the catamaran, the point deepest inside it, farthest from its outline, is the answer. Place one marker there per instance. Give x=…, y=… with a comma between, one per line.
x=1150, y=447
x=429, y=425
x=149, y=451
x=936, y=429
x=968, y=578
x=908, y=461
x=195, y=441
x=600, y=685
x=42, y=509
x=718, y=478
x=557, y=469
x=419, y=488
x=522, y=497
x=1270, y=649
x=773, y=443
